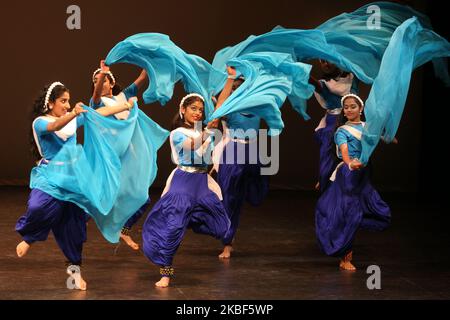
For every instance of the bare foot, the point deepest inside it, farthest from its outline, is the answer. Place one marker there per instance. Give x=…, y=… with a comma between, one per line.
x=22, y=249
x=346, y=263
x=129, y=241
x=163, y=283
x=82, y=284
x=226, y=254
x=78, y=281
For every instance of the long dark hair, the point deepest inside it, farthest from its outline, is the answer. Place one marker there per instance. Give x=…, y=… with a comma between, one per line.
x=177, y=121
x=38, y=110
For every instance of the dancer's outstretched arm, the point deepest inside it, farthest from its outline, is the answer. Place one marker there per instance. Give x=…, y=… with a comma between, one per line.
x=97, y=94
x=139, y=82
x=61, y=122
x=110, y=110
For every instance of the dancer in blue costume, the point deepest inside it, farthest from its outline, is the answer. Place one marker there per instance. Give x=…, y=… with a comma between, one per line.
x=238, y=178
x=191, y=199
x=403, y=41
x=343, y=40
x=329, y=92
x=350, y=202
x=104, y=85
x=270, y=77
x=52, y=128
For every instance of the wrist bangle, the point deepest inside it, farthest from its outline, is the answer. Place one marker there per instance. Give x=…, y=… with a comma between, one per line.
x=231, y=77
x=350, y=166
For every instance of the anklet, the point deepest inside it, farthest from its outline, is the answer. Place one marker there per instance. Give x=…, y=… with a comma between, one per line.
x=166, y=271
x=126, y=231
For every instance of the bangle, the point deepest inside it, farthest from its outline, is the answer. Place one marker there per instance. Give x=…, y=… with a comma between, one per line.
x=231, y=77
x=129, y=105
x=350, y=166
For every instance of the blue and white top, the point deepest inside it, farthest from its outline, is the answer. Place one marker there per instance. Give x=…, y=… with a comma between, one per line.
x=201, y=157
x=243, y=125
x=129, y=92
x=50, y=142
x=350, y=134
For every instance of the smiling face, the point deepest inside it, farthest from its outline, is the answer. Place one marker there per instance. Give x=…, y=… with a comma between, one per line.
x=61, y=105
x=352, y=109
x=107, y=87
x=193, y=112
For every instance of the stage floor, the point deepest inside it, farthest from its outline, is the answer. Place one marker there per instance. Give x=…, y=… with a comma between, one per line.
x=276, y=257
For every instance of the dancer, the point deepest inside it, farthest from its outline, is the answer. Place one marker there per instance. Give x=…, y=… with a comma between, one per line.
x=350, y=202
x=104, y=85
x=238, y=178
x=52, y=128
x=329, y=91
x=191, y=198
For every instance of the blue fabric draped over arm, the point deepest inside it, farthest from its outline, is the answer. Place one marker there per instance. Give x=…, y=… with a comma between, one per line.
x=109, y=176
x=269, y=79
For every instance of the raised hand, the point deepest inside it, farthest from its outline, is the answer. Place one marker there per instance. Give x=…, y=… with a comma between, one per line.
x=213, y=124
x=103, y=66
x=131, y=102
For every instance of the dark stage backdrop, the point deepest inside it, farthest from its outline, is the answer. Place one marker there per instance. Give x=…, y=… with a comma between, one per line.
x=38, y=48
